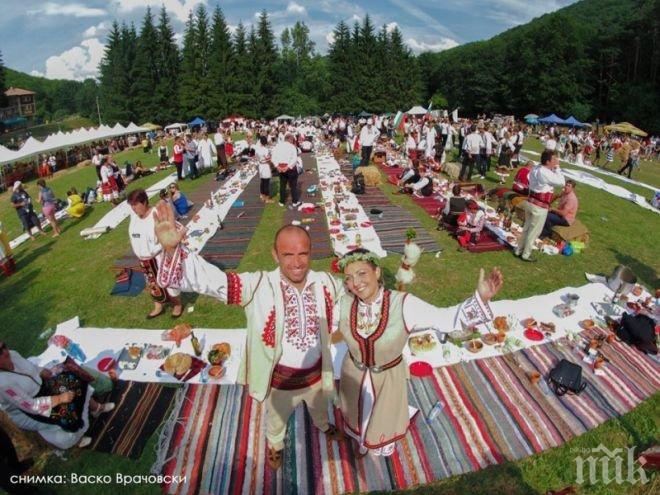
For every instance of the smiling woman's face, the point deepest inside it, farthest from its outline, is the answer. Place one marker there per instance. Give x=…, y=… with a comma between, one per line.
x=362, y=279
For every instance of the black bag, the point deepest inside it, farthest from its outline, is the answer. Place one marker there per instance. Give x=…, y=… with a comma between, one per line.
x=358, y=184
x=638, y=331
x=566, y=377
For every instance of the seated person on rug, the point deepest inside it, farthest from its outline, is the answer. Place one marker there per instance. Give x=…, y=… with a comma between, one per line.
x=470, y=224
x=521, y=181
x=565, y=212
x=181, y=203
x=454, y=207
x=410, y=175
x=133, y=172
x=56, y=404
x=423, y=188
x=76, y=206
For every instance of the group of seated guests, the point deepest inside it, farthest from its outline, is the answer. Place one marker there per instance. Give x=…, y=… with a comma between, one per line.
x=464, y=215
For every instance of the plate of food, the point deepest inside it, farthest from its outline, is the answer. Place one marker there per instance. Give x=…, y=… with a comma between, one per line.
x=474, y=346
x=334, y=231
x=366, y=224
x=216, y=372
x=419, y=344
x=547, y=327
x=341, y=236
x=178, y=333
x=155, y=351
x=587, y=324
x=634, y=306
x=177, y=364
x=529, y=322
x=130, y=356
x=490, y=338
x=335, y=222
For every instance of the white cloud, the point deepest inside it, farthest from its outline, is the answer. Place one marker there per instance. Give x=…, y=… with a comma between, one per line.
x=424, y=17
x=356, y=18
x=95, y=31
x=296, y=8
x=69, y=9
x=79, y=62
x=232, y=28
x=179, y=8
x=37, y=73
x=438, y=46
x=330, y=37
x=391, y=26
x=178, y=39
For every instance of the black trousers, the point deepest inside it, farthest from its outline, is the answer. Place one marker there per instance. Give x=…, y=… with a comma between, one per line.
x=9, y=466
x=628, y=166
x=179, y=170
x=264, y=187
x=289, y=177
x=550, y=221
x=466, y=167
x=366, y=156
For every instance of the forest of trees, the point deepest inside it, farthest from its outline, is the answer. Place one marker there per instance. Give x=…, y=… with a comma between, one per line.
x=145, y=77
x=593, y=59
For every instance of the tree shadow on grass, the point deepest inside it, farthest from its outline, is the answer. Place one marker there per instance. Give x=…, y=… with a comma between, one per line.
x=27, y=256
x=644, y=272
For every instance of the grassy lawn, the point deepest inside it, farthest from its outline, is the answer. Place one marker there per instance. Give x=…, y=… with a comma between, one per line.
x=61, y=278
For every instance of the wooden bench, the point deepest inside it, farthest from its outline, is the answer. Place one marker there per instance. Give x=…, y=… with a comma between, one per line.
x=575, y=232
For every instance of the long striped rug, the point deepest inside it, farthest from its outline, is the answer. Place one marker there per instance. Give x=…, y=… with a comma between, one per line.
x=226, y=248
x=391, y=227
x=492, y=414
x=318, y=225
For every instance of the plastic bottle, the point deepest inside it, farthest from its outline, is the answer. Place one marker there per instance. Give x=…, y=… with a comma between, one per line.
x=435, y=410
x=74, y=350
x=204, y=377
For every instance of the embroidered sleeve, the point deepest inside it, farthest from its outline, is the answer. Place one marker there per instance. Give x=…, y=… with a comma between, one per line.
x=234, y=288
x=473, y=311
x=32, y=405
x=268, y=334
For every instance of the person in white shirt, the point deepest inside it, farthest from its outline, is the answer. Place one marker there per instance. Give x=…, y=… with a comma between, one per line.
x=542, y=180
x=219, y=141
x=262, y=154
x=430, y=137
x=471, y=148
x=285, y=158
x=368, y=136
x=205, y=150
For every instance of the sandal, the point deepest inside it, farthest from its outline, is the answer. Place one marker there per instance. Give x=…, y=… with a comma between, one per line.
x=177, y=315
x=274, y=458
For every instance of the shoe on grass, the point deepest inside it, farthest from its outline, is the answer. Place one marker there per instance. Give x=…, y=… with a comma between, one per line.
x=85, y=442
x=103, y=408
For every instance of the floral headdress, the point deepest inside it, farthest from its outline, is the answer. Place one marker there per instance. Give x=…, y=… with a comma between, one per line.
x=367, y=256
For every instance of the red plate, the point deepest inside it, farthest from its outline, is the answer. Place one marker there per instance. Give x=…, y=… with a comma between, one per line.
x=366, y=224
x=351, y=247
x=334, y=231
x=106, y=364
x=533, y=334
x=421, y=369
x=335, y=222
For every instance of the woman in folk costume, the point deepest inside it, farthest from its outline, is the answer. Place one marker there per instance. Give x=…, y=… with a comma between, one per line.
x=376, y=323
x=109, y=185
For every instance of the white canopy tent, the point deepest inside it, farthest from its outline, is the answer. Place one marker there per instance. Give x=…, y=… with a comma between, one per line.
x=285, y=117
x=66, y=139
x=417, y=110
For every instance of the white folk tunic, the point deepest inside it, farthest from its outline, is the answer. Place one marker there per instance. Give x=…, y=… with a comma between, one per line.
x=17, y=397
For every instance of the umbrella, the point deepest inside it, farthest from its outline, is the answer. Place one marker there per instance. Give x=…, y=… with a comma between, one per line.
x=151, y=127
x=626, y=128
x=364, y=114
x=531, y=116
x=531, y=120
x=417, y=110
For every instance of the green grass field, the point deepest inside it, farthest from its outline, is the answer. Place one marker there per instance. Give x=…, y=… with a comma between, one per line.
x=58, y=279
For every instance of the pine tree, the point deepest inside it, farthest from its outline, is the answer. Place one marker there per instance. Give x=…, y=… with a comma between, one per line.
x=265, y=58
x=404, y=83
x=221, y=70
x=188, y=97
x=145, y=75
x=3, y=97
x=168, y=63
x=242, y=74
x=112, y=69
x=340, y=70
x=203, y=47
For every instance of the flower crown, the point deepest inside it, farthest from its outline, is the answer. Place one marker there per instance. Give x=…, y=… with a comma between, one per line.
x=352, y=258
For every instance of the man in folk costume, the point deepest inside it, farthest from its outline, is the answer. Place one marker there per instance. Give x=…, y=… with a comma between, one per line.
x=109, y=185
x=147, y=248
x=289, y=318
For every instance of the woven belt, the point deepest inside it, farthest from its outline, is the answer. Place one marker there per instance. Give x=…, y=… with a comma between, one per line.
x=376, y=369
x=286, y=378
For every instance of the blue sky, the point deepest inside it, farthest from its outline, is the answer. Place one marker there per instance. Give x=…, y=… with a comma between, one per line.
x=64, y=38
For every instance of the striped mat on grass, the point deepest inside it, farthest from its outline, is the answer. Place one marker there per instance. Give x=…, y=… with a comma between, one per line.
x=492, y=414
x=226, y=248
x=318, y=228
x=391, y=228
x=430, y=204
x=140, y=409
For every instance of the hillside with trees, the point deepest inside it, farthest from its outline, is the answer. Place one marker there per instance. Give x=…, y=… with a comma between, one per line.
x=593, y=59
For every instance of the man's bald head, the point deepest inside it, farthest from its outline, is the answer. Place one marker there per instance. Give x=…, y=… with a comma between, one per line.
x=289, y=231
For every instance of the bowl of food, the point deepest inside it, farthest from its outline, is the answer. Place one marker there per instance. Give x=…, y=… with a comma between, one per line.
x=489, y=338
x=529, y=322
x=177, y=364
x=501, y=323
x=474, y=346
x=216, y=372
x=219, y=353
x=587, y=324
x=547, y=327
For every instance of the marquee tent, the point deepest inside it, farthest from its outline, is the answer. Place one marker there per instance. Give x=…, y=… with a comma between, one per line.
x=196, y=121
x=284, y=117
x=626, y=128
x=573, y=122
x=552, y=119
x=417, y=110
